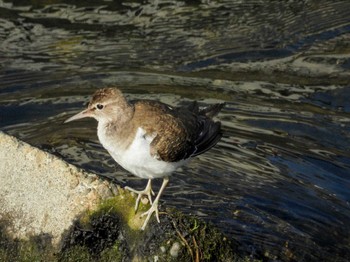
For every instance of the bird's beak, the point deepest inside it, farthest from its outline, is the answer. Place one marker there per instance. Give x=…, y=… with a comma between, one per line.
x=82, y=114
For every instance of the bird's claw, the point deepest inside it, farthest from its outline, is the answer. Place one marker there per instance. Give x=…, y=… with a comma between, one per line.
x=149, y=212
x=146, y=192
x=154, y=206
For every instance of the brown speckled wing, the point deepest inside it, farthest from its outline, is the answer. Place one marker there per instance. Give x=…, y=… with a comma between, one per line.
x=179, y=132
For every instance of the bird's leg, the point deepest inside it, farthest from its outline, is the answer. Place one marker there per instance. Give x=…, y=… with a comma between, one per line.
x=154, y=207
x=146, y=192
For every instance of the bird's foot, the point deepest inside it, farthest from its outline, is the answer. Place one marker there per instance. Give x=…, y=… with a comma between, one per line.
x=140, y=193
x=153, y=208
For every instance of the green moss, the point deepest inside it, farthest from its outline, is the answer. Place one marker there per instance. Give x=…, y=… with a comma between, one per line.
x=99, y=230
x=24, y=250
x=29, y=252
x=82, y=254
x=202, y=242
x=123, y=204
x=114, y=253
x=76, y=254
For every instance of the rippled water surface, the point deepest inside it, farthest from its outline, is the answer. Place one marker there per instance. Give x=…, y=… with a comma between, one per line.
x=279, y=180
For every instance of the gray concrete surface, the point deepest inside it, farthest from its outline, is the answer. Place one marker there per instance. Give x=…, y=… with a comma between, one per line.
x=40, y=193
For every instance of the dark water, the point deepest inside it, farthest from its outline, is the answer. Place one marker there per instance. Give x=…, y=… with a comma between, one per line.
x=279, y=181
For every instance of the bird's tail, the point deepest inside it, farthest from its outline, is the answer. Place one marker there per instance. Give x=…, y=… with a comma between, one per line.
x=212, y=110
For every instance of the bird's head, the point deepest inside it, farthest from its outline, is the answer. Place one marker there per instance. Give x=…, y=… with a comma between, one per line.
x=106, y=104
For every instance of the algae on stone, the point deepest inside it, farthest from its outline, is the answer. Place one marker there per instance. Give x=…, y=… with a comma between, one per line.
x=113, y=230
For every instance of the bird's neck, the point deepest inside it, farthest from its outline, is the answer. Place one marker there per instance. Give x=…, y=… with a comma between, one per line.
x=116, y=113
x=115, y=130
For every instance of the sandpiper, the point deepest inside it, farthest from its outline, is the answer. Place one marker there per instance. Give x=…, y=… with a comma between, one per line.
x=151, y=139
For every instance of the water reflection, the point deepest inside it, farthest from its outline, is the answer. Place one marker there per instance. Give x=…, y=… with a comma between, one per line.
x=278, y=181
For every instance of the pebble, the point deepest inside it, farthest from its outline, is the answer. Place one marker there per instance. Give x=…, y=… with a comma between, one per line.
x=174, y=250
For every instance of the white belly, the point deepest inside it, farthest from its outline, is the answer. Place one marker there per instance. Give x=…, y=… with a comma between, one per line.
x=137, y=158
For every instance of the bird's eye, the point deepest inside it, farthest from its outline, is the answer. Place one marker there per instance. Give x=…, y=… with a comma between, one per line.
x=99, y=106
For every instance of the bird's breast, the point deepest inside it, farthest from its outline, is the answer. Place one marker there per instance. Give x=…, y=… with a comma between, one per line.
x=136, y=158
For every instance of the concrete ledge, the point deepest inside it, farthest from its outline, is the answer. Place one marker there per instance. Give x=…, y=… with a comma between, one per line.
x=52, y=211
x=41, y=194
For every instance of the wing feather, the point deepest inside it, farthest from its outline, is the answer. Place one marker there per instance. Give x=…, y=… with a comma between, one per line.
x=180, y=133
